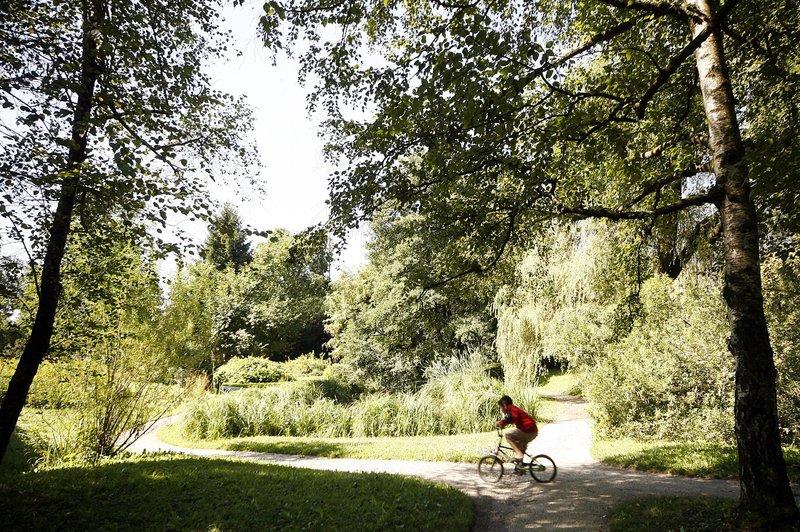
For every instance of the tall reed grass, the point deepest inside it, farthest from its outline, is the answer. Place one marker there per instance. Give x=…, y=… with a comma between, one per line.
x=459, y=397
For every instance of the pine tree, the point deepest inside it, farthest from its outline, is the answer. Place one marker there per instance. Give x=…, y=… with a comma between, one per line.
x=226, y=244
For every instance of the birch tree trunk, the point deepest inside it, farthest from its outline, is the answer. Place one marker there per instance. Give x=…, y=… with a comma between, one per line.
x=766, y=497
x=94, y=13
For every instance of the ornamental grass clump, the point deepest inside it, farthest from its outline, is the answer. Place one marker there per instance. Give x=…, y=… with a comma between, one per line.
x=459, y=397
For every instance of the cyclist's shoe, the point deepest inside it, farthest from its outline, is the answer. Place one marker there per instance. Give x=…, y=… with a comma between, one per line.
x=516, y=460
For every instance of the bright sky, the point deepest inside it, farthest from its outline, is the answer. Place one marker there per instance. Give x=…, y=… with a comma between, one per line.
x=294, y=169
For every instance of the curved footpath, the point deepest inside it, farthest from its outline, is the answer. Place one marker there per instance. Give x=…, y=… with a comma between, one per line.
x=580, y=497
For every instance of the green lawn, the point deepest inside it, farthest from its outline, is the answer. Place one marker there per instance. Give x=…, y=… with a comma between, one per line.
x=18, y=459
x=212, y=494
x=458, y=448
x=676, y=514
x=560, y=382
x=695, y=459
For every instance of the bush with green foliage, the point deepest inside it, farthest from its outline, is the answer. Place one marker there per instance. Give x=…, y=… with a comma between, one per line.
x=249, y=370
x=306, y=365
x=54, y=385
x=672, y=375
x=782, y=305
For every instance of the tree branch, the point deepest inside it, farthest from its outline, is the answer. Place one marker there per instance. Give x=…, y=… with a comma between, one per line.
x=658, y=150
x=476, y=267
x=659, y=184
x=600, y=212
x=677, y=61
x=596, y=39
x=154, y=149
x=671, y=68
x=31, y=262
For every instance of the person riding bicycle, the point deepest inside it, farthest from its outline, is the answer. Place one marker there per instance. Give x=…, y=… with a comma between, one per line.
x=525, y=431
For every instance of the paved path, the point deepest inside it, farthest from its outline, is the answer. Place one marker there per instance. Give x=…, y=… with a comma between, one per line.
x=580, y=497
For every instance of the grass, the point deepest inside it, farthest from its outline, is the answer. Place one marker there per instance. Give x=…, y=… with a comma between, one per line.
x=560, y=382
x=547, y=410
x=169, y=493
x=457, y=448
x=18, y=459
x=557, y=381
x=673, y=514
x=452, y=448
x=694, y=459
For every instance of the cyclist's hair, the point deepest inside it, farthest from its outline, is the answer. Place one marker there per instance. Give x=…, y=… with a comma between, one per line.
x=505, y=401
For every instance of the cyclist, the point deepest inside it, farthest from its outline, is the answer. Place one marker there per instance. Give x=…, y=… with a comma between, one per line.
x=525, y=431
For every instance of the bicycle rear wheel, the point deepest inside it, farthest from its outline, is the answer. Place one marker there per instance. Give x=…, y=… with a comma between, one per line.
x=542, y=468
x=490, y=468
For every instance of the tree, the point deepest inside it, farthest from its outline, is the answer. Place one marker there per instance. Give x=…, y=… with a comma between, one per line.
x=226, y=244
x=185, y=330
x=289, y=280
x=10, y=293
x=113, y=114
x=389, y=329
x=272, y=307
x=493, y=116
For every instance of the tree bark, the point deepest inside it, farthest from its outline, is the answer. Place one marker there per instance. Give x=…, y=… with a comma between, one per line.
x=766, y=498
x=94, y=13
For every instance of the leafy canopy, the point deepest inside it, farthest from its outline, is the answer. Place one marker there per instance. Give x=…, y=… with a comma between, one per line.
x=157, y=132
x=490, y=117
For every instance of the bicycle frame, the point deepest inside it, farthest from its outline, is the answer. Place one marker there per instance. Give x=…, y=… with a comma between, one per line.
x=505, y=452
x=490, y=468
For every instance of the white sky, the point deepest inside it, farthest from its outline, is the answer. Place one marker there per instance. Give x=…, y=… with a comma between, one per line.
x=291, y=152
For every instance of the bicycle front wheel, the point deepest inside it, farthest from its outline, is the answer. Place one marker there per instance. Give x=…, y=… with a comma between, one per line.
x=490, y=468
x=542, y=468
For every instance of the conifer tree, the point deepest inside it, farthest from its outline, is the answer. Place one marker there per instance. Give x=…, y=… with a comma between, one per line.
x=226, y=244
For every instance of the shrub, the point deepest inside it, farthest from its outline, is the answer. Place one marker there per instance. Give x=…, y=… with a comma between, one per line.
x=109, y=401
x=782, y=306
x=306, y=365
x=57, y=383
x=249, y=370
x=672, y=376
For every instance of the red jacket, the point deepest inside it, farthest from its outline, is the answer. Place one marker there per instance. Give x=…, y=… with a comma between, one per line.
x=520, y=418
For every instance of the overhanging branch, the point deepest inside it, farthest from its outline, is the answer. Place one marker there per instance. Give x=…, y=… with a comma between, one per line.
x=702, y=140
x=476, y=267
x=660, y=183
x=674, y=63
x=611, y=214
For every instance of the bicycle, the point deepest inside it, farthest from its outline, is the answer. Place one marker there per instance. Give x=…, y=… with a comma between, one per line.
x=490, y=467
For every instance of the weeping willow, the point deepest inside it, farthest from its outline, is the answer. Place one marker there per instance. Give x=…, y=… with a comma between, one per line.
x=557, y=275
